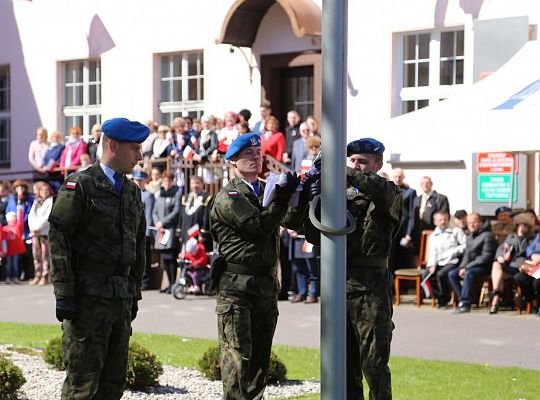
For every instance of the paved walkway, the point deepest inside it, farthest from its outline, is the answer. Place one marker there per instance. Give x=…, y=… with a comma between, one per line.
x=420, y=332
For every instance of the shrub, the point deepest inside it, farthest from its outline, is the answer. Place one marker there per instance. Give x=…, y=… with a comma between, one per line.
x=52, y=354
x=11, y=379
x=144, y=369
x=209, y=365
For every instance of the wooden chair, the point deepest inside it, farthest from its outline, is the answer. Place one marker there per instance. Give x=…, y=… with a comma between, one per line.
x=519, y=302
x=414, y=274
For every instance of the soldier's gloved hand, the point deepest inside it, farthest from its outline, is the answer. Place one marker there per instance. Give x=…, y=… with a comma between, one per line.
x=134, y=309
x=65, y=308
x=315, y=190
x=283, y=192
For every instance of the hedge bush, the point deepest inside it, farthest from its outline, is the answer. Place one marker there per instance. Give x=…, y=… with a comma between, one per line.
x=52, y=354
x=143, y=371
x=11, y=379
x=209, y=365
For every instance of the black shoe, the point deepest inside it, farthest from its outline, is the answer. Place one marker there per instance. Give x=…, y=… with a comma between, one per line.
x=494, y=309
x=298, y=298
x=163, y=290
x=462, y=310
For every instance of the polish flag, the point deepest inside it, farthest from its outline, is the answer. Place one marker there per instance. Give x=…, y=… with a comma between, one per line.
x=193, y=231
x=305, y=166
x=188, y=153
x=426, y=286
x=307, y=247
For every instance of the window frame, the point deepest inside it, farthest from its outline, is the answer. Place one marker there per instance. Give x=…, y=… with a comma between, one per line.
x=88, y=113
x=5, y=115
x=169, y=110
x=434, y=92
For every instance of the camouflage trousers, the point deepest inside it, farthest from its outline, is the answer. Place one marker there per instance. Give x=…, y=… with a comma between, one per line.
x=246, y=325
x=95, y=349
x=369, y=333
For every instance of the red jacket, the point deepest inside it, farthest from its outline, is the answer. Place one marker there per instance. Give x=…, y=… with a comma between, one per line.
x=77, y=150
x=12, y=234
x=274, y=145
x=199, y=259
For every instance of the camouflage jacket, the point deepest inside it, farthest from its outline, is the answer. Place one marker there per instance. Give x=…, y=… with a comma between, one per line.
x=248, y=235
x=97, y=237
x=376, y=204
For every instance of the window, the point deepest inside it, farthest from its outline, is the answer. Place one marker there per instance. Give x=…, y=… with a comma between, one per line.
x=82, y=95
x=5, y=129
x=182, y=86
x=432, y=68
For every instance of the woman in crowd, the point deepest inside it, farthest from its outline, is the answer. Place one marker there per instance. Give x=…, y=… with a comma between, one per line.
x=162, y=142
x=228, y=133
x=38, y=148
x=510, y=256
x=165, y=216
x=208, y=140
x=51, y=160
x=38, y=222
x=529, y=284
x=73, y=150
x=272, y=141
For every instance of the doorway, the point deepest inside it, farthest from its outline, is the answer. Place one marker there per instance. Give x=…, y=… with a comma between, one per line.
x=292, y=81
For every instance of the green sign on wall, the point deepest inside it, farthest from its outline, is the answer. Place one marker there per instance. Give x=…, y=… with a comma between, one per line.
x=496, y=188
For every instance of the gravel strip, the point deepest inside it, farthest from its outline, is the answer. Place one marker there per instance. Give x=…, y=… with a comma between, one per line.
x=44, y=383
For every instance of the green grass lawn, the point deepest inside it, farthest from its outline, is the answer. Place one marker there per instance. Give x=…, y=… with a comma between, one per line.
x=412, y=379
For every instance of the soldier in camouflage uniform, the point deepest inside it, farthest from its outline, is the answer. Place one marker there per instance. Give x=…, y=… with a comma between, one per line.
x=248, y=240
x=376, y=205
x=97, y=249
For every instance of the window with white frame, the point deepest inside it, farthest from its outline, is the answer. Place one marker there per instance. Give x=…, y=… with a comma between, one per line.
x=432, y=68
x=5, y=117
x=182, y=86
x=82, y=95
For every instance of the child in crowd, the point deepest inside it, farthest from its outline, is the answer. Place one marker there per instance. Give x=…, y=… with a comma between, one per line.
x=198, y=270
x=39, y=228
x=12, y=234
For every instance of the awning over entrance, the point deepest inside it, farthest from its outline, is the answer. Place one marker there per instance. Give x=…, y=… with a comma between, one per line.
x=243, y=19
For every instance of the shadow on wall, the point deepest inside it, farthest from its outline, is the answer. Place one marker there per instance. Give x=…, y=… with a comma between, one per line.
x=24, y=116
x=471, y=7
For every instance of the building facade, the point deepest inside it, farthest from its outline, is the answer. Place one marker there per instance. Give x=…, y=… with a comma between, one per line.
x=78, y=62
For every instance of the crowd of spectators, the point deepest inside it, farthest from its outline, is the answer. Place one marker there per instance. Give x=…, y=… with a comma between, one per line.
x=176, y=210
x=460, y=253
x=472, y=249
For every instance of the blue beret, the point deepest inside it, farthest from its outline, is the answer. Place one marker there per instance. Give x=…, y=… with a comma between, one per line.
x=365, y=146
x=502, y=209
x=139, y=175
x=243, y=142
x=124, y=130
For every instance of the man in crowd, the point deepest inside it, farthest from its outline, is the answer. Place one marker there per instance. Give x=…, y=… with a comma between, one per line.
x=141, y=178
x=97, y=250
x=247, y=235
x=479, y=253
x=504, y=224
x=194, y=212
x=424, y=207
x=400, y=256
x=266, y=111
x=376, y=205
x=93, y=145
x=446, y=246
x=292, y=133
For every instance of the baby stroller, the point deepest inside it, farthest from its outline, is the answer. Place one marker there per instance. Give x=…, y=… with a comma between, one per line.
x=184, y=284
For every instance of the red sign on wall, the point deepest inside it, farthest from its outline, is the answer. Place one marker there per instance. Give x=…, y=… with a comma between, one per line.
x=496, y=163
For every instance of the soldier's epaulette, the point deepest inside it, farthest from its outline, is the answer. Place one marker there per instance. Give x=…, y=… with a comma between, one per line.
x=208, y=200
